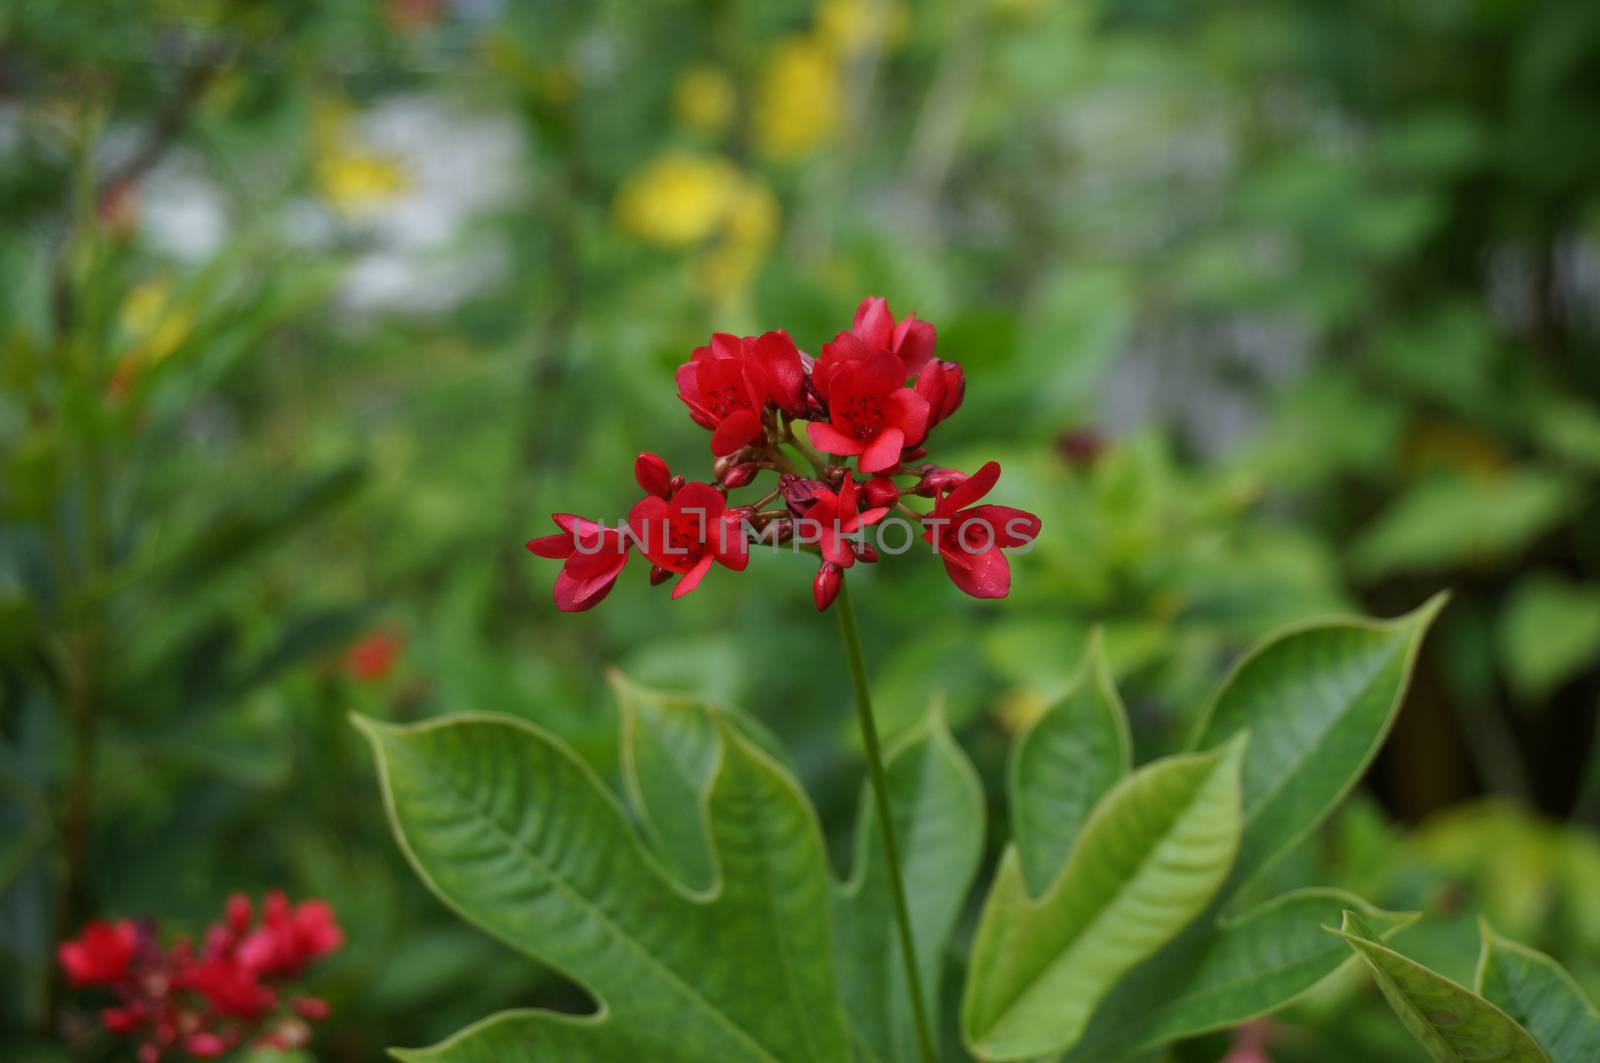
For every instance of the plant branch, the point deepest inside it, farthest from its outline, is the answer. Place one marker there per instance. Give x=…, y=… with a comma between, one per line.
x=880, y=791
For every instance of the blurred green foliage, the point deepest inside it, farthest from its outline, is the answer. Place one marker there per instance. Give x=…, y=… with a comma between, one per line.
x=311, y=313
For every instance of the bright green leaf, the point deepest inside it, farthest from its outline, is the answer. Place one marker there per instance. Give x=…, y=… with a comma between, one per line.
x=1549, y=631
x=1318, y=701
x=1538, y=993
x=1233, y=971
x=937, y=804
x=1453, y=520
x=517, y=834
x=1149, y=859
x=1062, y=764
x=1453, y=1023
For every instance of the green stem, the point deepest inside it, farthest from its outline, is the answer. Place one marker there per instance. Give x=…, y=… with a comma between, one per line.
x=880, y=791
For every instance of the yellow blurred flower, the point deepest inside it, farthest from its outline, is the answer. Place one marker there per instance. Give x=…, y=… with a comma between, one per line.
x=797, y=105
x=851, y=26
x=704, y=99
x=155, y=326
x=678, y=199
x=751, y=227
x=349, y=176
x=1017, y=708
x=683, y=200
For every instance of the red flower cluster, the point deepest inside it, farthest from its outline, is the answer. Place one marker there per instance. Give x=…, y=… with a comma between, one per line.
x=208, y=1001
x=873, y=395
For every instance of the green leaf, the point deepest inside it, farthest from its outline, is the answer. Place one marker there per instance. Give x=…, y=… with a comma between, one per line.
x=1454, y=520
x=1318, y=701
x=1549, y=632
x=1062, y=764
x=937, y=804
x=1537, y=992
x=1453, y=1023
x=514, y=832
x=1224, y=974
x=1151, y=856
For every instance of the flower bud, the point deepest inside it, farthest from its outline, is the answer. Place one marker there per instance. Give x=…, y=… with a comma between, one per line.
x=676, y=484
x=881, y=492
x=944, y=385
x=937, y=481
x=799, y=493
x=658, y=575
x=1081, y=447
x=653, y=475
x=825, y=588
x=866, y=552
x=740, y=475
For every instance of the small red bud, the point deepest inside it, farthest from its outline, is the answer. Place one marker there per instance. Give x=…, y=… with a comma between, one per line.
x=313, y=1008
x=238, y=913
x=799, y=493
x=653, y=475
x=676, y=484
x=1081, y=447
x=866, y=552
x=944, y=385
x=825, y=588
x=938, y=481
x=740, y=475
x=881, y=492
x=782, y=529
x=913, y=453
x=658, y=575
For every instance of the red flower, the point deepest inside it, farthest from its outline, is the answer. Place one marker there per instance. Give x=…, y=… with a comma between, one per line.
x=688, y=533
x=594, y=554
x=909, y=340
x=205, y=1045
x=970, y=538
x=231, y=987
x=871, y=413
x=372, y=657
x=290, y=936
x=944, y=385
x=206, y=1006
x=833, y=516
x=100, y=954
x=730, y=382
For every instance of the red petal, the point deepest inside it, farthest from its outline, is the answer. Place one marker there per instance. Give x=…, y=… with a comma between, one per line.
x=1011, y=527
x=908, y=411
x=555, y=547
x=874, y=323
x=987, y=575
x=972, y=488
x=884, y=451
x=878, y=375
x=739, y=430
x=691, y=579
x=914, y=342
x=830, y=440
x=728, y=544
x=779, y=360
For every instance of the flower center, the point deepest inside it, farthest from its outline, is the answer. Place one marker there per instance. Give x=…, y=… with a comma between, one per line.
x=726, y=400
x=864, y=414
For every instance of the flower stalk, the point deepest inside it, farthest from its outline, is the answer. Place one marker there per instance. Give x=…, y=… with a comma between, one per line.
x=880, y=792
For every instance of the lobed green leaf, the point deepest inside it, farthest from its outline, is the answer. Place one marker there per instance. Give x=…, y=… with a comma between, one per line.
x=1151, y=856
